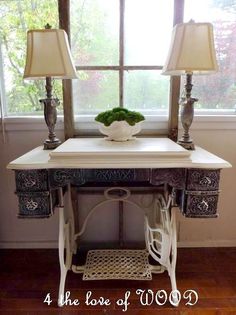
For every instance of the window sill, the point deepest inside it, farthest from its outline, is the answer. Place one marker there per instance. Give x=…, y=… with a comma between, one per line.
x=152, y=123
x=82, y=124
x=214, y=122
x=30, y=123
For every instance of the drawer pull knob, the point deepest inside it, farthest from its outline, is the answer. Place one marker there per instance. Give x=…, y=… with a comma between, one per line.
x=205, y=181
x=31, y=205
x=30, y=183
x=203, y=206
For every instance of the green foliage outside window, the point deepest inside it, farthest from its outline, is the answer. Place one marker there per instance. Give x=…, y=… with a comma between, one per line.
x=217, y=91
x=17, y=17
x=95, y=43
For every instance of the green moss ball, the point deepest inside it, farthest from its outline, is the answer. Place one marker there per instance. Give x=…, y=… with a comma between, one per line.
x=119, y=114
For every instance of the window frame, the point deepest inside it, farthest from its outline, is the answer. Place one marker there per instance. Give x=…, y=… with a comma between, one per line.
x=204, y=119
x=69, y=121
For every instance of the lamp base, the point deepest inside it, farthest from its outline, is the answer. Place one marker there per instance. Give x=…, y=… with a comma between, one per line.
x=50, y=115
x=188, y=145
x=50, y=145
x=187, y=114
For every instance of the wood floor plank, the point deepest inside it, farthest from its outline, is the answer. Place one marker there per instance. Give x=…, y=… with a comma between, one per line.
x=26, y=276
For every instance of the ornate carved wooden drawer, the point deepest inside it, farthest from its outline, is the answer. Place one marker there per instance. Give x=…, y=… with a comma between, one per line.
x=31, y=180
x=201, y=195
x=197, y=188
x=35, y=204
x=201, y=204
x=35, y=198
x=200, y=179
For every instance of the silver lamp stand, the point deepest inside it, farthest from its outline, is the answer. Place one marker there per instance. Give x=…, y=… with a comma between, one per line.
x=50, y=115
x=187, y=114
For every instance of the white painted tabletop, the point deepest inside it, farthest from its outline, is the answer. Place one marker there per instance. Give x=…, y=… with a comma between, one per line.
x=100, y=153
x=141, y=146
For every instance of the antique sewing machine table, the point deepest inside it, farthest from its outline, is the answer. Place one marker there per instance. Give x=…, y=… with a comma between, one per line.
x=185, y=180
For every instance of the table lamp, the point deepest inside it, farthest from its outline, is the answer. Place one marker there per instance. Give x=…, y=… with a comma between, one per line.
x=48, y=56
x=191, y=52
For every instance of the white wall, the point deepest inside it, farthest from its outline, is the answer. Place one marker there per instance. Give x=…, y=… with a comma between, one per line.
x=220, y=231
x=16, y=232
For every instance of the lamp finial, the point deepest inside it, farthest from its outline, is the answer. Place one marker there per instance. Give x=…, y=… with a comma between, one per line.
x=48, y=26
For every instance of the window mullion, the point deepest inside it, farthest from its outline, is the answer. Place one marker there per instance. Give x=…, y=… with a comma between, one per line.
x=2, y=86
x=2, y=95
x=175, y=81
x=64, y=22
x=124, y=67
x=121, y=54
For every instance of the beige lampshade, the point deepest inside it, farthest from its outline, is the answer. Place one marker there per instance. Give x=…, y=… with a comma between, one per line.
x=48, y=55
x=192, y=50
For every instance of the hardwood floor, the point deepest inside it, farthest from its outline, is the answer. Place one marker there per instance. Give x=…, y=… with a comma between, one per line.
x=27, y=276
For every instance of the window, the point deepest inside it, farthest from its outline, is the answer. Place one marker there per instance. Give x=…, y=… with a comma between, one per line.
x=119, y=47
x=17, y=16
x=117, y=58
x=216, y=92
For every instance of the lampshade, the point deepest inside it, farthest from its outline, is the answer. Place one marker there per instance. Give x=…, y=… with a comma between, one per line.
x=192, y=50
x=48, y=55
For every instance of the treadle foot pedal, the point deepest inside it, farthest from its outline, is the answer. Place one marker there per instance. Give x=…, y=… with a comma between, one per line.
x=117, y=264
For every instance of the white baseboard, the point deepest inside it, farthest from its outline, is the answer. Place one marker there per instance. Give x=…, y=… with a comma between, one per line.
x=54, y=244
